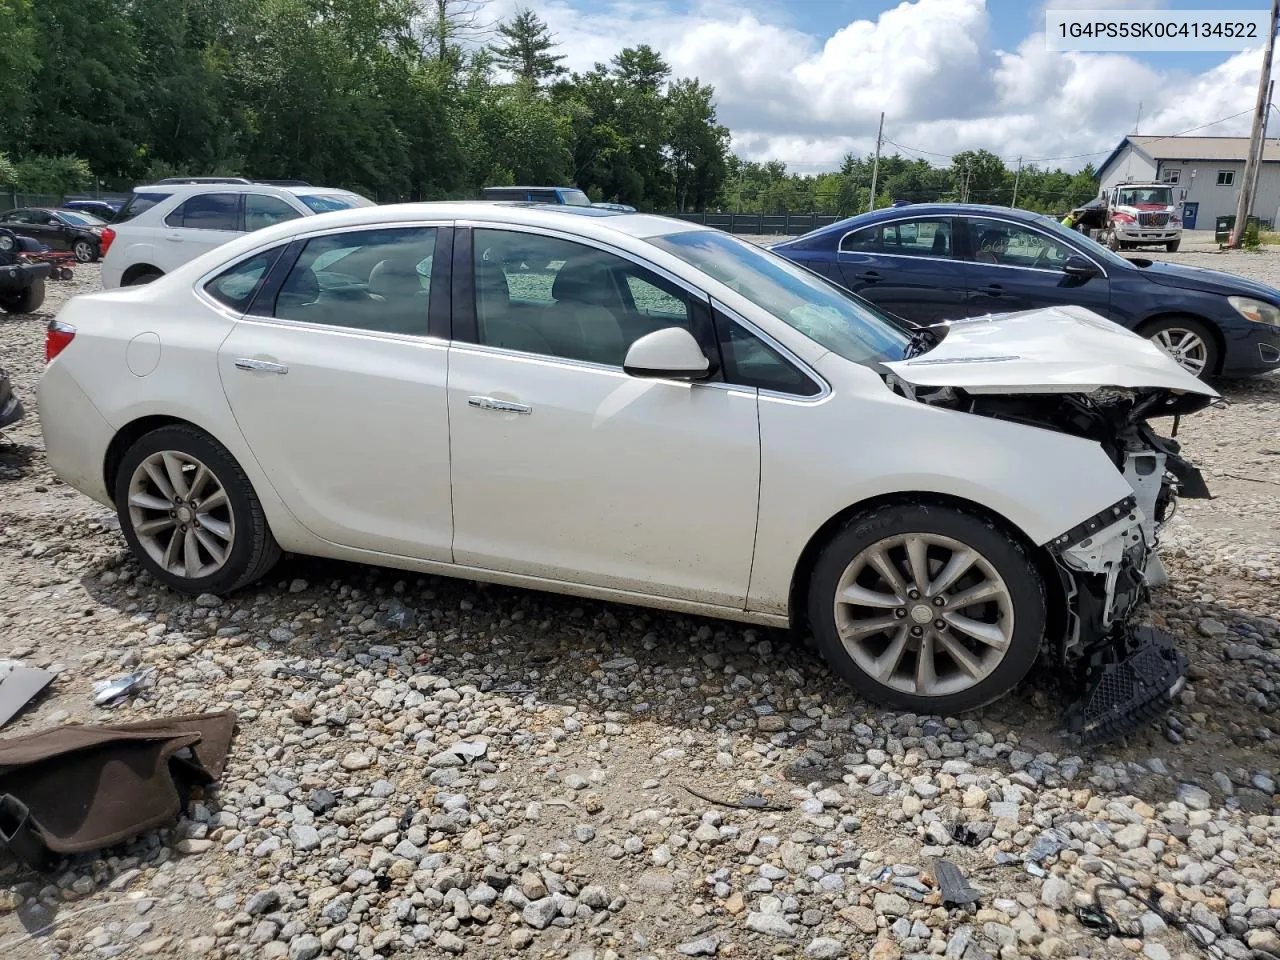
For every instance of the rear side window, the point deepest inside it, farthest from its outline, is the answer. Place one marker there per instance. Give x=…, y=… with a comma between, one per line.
x=236, y=286
x=327, y=202
x=207, y=211
x=139, y=203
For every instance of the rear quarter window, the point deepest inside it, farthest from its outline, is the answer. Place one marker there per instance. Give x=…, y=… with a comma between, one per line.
x=139, y=203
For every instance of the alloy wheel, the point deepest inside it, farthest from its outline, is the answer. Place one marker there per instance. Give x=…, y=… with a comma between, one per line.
x=181, y=514
x=83, y=250
x=1186, y=347
x=924, y=614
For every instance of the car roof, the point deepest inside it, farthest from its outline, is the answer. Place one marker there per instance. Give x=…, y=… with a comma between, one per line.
x=186, y=188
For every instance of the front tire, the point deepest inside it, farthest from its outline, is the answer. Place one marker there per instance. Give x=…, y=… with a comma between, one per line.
x=189, y=513
x=927, y=608
x=1189, y=342
x=1172, y=246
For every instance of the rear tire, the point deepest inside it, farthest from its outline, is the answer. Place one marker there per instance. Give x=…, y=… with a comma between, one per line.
x=935, y=653
x=190, y=514
x=24, y=301
x=143, y=278
x=86, y=251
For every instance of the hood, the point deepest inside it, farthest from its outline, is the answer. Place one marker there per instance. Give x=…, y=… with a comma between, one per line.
x=1066, y=349
x=1205, y=281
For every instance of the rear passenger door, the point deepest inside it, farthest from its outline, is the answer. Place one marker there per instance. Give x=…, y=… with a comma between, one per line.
x=197, y=225
x=906, y=267
x=336, y=377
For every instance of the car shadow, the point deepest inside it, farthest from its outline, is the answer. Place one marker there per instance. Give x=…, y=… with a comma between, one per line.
x=15, y=459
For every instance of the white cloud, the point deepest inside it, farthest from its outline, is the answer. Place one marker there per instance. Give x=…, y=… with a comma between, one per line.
x=929, y=64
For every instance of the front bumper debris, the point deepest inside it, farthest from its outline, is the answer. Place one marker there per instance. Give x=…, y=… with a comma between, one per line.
x=1128, y=674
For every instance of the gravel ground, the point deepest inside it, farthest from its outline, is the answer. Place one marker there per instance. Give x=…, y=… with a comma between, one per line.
x=473, y=770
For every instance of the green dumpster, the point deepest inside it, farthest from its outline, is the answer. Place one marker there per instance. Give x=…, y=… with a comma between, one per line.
x=1223, y=225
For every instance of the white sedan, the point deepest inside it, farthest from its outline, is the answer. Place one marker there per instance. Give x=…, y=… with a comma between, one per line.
x=632, y=408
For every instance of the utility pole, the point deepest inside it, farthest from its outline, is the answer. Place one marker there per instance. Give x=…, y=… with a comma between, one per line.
x=1016, y=177
x=875, y=167
x=1255, y=139
x=1262, y=146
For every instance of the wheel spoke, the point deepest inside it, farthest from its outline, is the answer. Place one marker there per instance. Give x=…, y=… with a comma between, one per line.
x=886, y=665
x=216, y=499
x=918, y=560
x=926, y=675
x=216, y=550
x=172, y=551
x=882, y=563
x=1185, y=338
x=217, y=527
x=988, y=633
x=150, y=528
x=975, y=594
x=865, y=628
x=190, y=554
x=862, y=597
x=160, y=480
x=959, y=653
x=961, y=560
x=202, y=477
x=148, y=502
x=173, y=467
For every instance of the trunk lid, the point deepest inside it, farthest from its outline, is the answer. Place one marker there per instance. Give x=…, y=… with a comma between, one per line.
x=1063, y=349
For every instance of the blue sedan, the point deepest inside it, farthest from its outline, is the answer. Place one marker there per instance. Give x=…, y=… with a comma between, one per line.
x=933, y=262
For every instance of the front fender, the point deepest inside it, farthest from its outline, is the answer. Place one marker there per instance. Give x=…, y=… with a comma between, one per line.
x=865, y=443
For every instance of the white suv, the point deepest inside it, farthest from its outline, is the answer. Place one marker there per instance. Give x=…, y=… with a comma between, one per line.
x=165, y=224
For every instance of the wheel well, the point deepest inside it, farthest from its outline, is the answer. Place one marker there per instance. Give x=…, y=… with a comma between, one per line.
x=137, y=270
x=1055, y=601
x=1205, y=322
x=127, y=436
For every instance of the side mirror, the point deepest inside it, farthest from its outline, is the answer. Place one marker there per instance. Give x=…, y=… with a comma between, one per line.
x=1078, y=267
x=671, y=352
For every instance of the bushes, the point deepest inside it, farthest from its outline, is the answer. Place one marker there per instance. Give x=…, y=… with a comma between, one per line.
x=50, y=175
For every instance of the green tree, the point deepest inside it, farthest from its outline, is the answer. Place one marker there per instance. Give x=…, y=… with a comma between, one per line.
x=526, y=50
x=979, y=176
x=697, y=145
x=19, y=63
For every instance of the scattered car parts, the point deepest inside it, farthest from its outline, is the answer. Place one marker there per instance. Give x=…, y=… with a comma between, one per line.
x=19, y=685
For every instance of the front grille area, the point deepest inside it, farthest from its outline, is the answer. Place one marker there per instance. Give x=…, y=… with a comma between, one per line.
x=1153, y=219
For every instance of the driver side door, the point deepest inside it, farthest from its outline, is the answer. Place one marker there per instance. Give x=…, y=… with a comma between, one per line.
x=1010, y=266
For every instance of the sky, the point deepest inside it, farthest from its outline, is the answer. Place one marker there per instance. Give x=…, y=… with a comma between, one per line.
x=804, y=81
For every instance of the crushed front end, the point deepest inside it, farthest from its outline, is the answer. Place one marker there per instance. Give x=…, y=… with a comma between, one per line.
x=1125, y=673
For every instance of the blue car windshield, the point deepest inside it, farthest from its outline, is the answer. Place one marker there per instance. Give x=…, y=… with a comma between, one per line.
x=821, y=311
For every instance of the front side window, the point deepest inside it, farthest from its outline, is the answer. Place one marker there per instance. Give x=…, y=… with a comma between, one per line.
x=261, y=210
x=1009, y=245
x=207, y=211
x=555, y=297
x=375, y=280
x=750, y=362
x=575, y=198
x=822, y=311
x=236, y=286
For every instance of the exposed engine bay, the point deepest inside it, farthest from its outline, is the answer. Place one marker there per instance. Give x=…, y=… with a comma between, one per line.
x=1126, y=674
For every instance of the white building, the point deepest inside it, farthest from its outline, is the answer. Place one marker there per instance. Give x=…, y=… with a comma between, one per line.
x=1206, y=174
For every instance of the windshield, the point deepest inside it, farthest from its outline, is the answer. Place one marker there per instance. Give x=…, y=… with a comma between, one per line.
x=80, y=218
x=575, y=198
x=1139, y=196
x=328, y=202
x=1085, y=242
x=821, y=311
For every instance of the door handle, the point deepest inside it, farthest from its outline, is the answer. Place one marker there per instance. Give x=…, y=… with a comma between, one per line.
x=173, y=237
x=492, y=403
x=871, y=276
x=260, y=366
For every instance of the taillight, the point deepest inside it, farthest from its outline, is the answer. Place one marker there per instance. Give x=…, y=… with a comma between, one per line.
x=57, y=337
x=104, y=241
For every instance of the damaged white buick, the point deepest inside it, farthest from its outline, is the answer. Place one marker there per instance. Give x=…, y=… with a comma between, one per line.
x=637, y=409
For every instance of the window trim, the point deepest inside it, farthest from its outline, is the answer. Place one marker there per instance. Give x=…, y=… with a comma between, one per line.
x=824, y=388
x=950, y=258
x=289, y=256
x=466, y=328
x=1229, y=182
